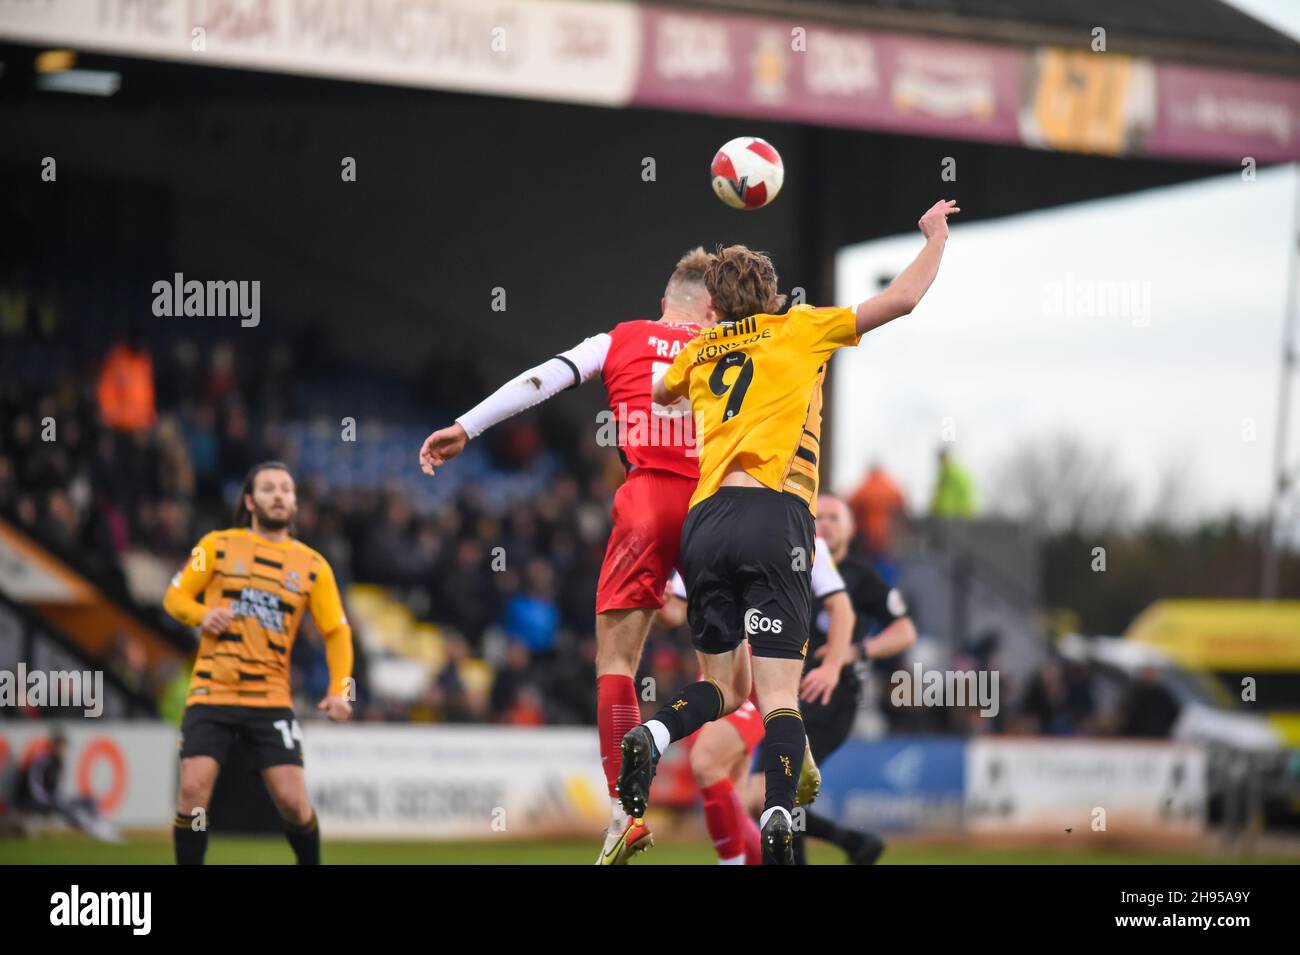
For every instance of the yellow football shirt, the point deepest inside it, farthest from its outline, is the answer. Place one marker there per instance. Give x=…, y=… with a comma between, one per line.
x=268, y=586
x=755, y=388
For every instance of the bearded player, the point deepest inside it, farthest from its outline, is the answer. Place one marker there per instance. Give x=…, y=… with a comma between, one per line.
x=256, y=582
x=754, y=383
x=656, y=442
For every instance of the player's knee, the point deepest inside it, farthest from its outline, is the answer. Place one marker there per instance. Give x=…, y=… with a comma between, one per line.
x=195, y=794
x=700, y=764
x=708, y=760
x=734, y=693
x=612, y=658
x=296, y=811
x=702, y=760
x=619, y=638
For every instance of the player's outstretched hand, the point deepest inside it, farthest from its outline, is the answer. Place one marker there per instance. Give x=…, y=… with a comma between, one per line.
x=820, y=683
x=216, y=620
x=934, y=224
x=335, y=707
x=441, y=446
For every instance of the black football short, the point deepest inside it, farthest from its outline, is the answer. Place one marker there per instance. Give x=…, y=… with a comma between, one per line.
x=828, y=725
x=270, y=735
x=746, y=555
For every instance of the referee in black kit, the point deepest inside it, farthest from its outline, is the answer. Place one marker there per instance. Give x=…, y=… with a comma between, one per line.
x=828, y=724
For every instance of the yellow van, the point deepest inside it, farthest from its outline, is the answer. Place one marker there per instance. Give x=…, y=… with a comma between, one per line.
x=1235, y=640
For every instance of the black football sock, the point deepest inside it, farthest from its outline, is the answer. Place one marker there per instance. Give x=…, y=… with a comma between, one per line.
x=305, y=841
x=783, y=746
x=190, y=844
x=819, y=827
x=690, y=708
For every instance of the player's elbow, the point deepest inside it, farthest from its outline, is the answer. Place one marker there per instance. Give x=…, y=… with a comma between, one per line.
x=903, y=302
x=173, y=604
x=907, y=633
x=340, y=640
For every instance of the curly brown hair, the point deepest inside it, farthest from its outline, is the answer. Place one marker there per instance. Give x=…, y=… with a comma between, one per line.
x=741, y=283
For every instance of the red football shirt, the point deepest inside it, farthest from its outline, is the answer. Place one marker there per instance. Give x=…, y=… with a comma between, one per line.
x=649, y=435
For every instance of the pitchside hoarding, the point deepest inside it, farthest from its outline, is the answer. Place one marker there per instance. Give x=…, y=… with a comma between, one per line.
x=483, y=782
x=1049, y=786
x=625, y=54
x=565, y=50
x=904, y=784
x=455, y=782
x=129, y=768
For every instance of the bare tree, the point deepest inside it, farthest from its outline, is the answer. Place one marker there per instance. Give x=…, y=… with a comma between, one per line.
x=1060, y=484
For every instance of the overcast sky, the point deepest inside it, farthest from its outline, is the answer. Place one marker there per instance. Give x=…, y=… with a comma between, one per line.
x=1149, y=325
x=1282, y=15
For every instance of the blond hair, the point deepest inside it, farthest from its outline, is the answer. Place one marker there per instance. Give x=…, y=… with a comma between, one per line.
x=687, y=280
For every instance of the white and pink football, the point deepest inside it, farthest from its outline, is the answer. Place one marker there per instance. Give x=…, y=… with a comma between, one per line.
x=747, y=173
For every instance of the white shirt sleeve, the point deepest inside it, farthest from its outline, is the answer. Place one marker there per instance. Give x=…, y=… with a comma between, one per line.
x=588, y=356
x=678, y=585
x=566, y=370
x=826, y=578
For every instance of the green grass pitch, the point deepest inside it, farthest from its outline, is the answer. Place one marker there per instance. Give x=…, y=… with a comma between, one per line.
x=238, y=850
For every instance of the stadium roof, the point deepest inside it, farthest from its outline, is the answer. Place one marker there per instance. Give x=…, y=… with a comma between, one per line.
x=1200, y=31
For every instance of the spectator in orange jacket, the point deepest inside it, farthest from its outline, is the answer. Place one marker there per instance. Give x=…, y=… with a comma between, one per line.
x=126, y=393
x=875, y=504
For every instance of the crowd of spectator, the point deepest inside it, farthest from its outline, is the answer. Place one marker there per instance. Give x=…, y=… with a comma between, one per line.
x=134, y=446
x=140, y=447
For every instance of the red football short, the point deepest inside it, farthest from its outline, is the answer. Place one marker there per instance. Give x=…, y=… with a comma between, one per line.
x=643, y=546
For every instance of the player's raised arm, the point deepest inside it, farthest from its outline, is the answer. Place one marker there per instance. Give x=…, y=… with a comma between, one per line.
x=566, y=370
x=905, y=292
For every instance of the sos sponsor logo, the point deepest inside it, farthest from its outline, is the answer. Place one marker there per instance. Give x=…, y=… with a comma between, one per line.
x=757, y=622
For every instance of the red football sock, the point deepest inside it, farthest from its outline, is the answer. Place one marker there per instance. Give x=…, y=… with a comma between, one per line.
x=617, y=711
x=722, y=815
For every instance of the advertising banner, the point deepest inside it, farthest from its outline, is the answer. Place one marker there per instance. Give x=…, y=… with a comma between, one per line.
x=806, y=72
x=624, y=54
x=129, y=768
x=1056, y=785
x=540, y=49
x=454, y=781
x=899, y=784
